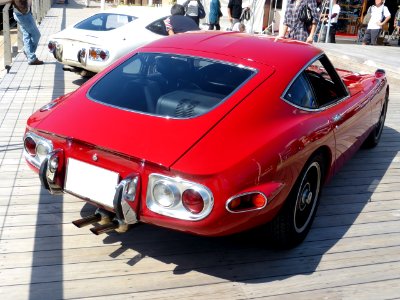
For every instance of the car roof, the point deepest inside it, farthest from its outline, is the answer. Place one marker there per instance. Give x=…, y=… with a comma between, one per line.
x=258, y=48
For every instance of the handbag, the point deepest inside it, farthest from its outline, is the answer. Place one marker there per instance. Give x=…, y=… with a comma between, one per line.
x=367, y=17
x=202, y=13
x=305, y=15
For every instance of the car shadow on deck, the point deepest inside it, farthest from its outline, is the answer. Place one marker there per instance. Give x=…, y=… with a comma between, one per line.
x=248, y=257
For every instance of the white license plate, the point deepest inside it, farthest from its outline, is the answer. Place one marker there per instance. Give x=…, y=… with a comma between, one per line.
x=89, y=181
x=70, y=51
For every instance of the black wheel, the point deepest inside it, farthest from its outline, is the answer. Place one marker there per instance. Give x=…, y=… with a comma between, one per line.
x=294, y=221
x=375, y=135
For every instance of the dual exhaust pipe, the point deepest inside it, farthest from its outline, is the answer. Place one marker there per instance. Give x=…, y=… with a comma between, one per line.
x=106, y=222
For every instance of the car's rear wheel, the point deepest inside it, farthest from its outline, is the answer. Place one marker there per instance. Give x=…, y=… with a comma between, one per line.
x=294, y=221
x=375, y=135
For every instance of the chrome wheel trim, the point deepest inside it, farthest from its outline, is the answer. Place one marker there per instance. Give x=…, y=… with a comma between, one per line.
x=307, y=196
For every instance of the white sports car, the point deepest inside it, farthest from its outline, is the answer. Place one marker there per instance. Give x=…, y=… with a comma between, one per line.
x=96, y=42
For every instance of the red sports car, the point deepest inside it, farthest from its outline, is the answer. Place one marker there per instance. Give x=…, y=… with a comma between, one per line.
x=208, y=133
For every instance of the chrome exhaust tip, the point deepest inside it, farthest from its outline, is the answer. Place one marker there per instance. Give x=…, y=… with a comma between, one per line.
x=87, y=220
x=105, y=228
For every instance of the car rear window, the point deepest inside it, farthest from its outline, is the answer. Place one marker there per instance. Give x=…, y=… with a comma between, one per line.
x=169, y=85
x=104, y=22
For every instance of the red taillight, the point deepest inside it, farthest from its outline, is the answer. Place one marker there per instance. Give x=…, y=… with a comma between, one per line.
x=51, y=46
x=247, y=202
x=103, y=55
x=193, y=201
x=30, y=146
x=258, y=200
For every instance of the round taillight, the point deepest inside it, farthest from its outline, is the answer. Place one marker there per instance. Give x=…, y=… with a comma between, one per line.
x=103, y=55
x=51, y=46
x=193, y=201
x=30, y=146
x=93, y=53
x=82, y=53
x=258, y=200
x=165, y=194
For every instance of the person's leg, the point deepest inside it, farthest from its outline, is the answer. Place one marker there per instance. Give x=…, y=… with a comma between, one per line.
x=30, y=34
x=332, y=34
x=367, y=37
x=217, y=26
x=233, y=22
x=211, y=26
x=374, y=36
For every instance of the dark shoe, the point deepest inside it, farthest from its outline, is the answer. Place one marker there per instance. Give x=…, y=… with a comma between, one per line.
x=36, y=62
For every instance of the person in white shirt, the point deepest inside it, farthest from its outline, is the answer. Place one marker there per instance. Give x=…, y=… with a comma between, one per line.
x=334, y=20
x=380, y=15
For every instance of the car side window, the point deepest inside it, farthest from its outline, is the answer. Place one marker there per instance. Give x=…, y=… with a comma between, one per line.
x=300, y=93
x=158, y=27
x=115, y=21
x=326, y=84
x=318, y=85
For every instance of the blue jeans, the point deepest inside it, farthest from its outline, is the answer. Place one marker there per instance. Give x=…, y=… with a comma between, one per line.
x=30, y=33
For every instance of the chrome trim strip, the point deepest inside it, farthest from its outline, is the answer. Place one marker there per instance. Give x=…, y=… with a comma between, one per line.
x=178, y=211
x=244, y=194
x=36, y=161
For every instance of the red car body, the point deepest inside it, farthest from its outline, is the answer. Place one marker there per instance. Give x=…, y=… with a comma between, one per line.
x=253, y=146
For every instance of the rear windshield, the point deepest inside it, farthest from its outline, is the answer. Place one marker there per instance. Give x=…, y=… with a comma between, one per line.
x=169, y=85
x=104, y=22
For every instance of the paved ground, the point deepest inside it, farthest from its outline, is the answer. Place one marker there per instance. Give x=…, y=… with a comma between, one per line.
x=351, y=252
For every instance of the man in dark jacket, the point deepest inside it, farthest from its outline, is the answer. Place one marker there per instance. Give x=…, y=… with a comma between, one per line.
x=178, y=22
x=234, y=11
x=30, y=32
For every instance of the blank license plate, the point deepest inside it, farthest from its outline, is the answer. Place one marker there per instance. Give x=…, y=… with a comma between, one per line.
x=91, y=182
x=70, y=52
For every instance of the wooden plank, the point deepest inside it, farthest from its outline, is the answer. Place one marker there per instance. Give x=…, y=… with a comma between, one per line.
x=280, y=265
x=48, y=208
x=257, y=280
x=361, y=197
x=345, y=208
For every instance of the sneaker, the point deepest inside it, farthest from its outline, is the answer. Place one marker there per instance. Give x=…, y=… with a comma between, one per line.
x=36, y=62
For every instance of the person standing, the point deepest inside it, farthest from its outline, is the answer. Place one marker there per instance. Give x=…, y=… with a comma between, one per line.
x=178, y=22
x=380, y=15
x=293, y=26
x=234, y=11
x=30, y=32
x=195, y=10
x=397, y=25
x=214, y=15
x=334, y=20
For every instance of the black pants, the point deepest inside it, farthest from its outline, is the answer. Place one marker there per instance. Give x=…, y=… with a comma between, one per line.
x=211, y=26
x=332, y=33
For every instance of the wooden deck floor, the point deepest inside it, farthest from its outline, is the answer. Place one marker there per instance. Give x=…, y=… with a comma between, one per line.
x=351, y=252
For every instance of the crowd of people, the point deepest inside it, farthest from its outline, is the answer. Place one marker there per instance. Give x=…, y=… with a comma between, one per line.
x=302, y=21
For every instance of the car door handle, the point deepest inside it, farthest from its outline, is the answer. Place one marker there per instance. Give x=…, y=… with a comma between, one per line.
x=337, y=118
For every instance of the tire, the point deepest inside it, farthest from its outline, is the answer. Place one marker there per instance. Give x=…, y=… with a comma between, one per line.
x=376, y=133
x=294, y=221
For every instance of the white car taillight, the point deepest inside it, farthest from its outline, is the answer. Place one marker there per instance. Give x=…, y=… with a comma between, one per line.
x=178, y=198
x=98, y=54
